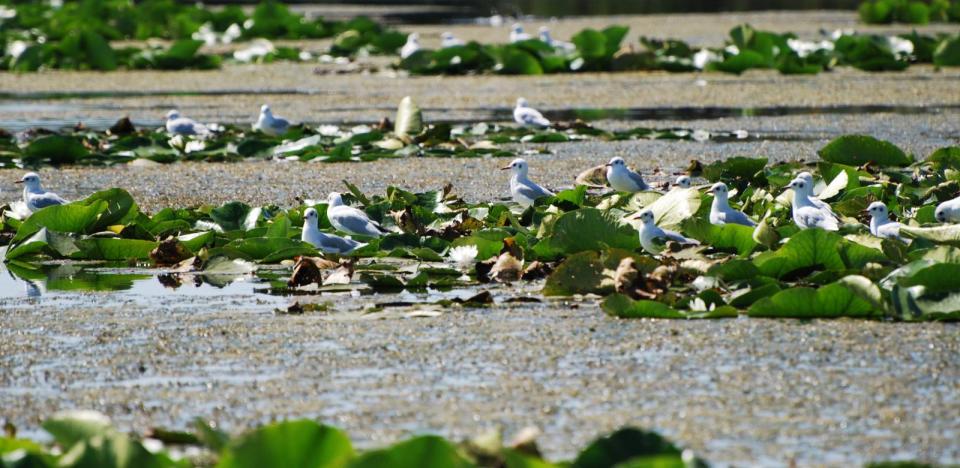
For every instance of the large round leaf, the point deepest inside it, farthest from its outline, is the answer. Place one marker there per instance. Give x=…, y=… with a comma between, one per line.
x=300, y=443
x=857, y=150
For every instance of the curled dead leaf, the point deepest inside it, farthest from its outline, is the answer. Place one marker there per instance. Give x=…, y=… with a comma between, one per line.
x=595, y=177
x=169, y=252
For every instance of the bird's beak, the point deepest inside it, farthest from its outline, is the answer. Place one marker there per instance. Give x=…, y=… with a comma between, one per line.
x=18, y=182
x=505, y=168
x=608, y=164
x=710, y=190
x=634, y=216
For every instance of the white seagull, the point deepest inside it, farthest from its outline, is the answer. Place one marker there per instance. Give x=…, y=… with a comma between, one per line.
x=517, y=34
x=447, y=39
x=653, y=238
x=880, y=224
x=805, y=213
x=808, y=178
x=269, y=123
x=412, y=45
x=349, y=219
x=550, y=41
x=683, y=181
x=720, y=211
x=34, y=196
x=523, y=190
x=179, y=125
x=948, y=211
x=622, y=179
x=326, y=243
x=527, y=116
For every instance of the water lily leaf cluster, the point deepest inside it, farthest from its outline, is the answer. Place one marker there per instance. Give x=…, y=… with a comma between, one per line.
x=581, y=241
x=909, y=11
x=326, y=143
x=89, y=439
x=78, y=35
x=747, y=48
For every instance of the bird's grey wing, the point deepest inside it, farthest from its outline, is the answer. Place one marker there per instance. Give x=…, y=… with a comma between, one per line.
x=676, y=236
x=358, y=224
x=344, y=245
x=280, y=123
x=738, y=217
x=532, y=116
x=533, y=191
x=821, y=204
x=184, y=126
x=638, y=180
x=47, y=199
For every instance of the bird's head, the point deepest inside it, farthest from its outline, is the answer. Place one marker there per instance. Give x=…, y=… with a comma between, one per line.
x=617, y=162
x=517, y=28
x=645, y=216
x=173, y=114
x=334, y=199
x=310, y=217
x=719, y=190
x=941, y=213
x=800, y=186
x=683, y=181
x=265, y=109
x=877, y=210
x=522, y=102
x=31, y=180
x=517, y=166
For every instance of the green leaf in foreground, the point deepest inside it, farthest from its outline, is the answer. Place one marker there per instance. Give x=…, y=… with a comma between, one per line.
x=70, y=427
x=834, y=300
x=301, y=443
x=432, y=451
x=629, y=444
x=857, y=150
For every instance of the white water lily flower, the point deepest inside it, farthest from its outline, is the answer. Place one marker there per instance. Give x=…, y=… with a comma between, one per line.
x=193, y=146
x=328, y=130
x=232, y=33
x=464, y=255
x=701, y=135
x=176, y=142
x=741, y=134
x=704, y=57
x=900, y=46
x=15, y=48
x=805, y=48
x=258, y=49
x=698, y=305
x=7, y=12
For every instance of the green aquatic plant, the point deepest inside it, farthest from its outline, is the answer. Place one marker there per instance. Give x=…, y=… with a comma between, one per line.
x=582, y=241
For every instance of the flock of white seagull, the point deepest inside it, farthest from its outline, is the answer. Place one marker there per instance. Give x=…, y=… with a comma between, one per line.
x=517, y=34
x=808, y=211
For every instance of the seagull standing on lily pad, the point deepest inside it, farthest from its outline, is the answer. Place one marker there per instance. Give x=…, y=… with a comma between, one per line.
x=948, y=211
x=527, y=116
x=326, y=243
x=179, y=125
x=269, y=123
x=349, y=219
x=720, y=211
x=447, y=39
x=517, y=34
x=881, y=225
x=546, y=38
x=808, y=215
x=653, y=238
x=411, y=46
x=523, y=190
x=34, y=196
x=622, y=179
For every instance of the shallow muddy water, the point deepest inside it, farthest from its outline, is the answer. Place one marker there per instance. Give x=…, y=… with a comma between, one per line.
x=741, y=392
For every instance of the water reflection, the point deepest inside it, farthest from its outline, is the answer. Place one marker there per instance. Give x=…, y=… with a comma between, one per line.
x=19, y=279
